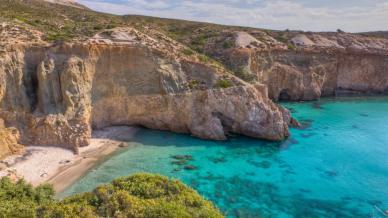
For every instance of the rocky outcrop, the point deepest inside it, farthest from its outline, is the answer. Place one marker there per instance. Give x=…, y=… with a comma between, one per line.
x=56, y=94
x=9, y=138
x=308, y=75
x=310, y=65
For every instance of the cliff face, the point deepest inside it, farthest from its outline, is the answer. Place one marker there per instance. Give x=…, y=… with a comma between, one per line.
x=313, y=65
x=9, y=138
x=308, y=76
x=56, y=94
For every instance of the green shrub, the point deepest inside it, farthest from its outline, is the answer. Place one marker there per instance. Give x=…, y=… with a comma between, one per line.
x=141, y=195
x=291, y=47
x=52, y=37
x=228, y=44
x=111, y=26
x=243, y=74
x=281, y=37
x=199, y=40
x=223, y=83
x=203, y=58
x=98, y=27
x=193, y=84
x=188, y=52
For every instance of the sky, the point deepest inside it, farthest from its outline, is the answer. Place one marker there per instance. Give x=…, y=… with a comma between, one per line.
x=307, y=15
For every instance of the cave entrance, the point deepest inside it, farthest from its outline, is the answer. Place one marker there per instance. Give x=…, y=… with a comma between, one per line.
x=284, y=95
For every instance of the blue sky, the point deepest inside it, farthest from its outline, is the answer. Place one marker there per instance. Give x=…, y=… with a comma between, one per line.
x=309, y=15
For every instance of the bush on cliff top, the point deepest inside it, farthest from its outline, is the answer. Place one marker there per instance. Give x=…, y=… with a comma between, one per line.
x=141, y=195
x=223, y=83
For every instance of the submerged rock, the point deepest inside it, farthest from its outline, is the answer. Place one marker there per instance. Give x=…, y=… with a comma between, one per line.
x=331, y=173
x=217, y=160
x=305, y=124
x=190, y=167
x=261, y=164
x=183, y=157
x=316, y=105
x=295, y=123
x=179, y=162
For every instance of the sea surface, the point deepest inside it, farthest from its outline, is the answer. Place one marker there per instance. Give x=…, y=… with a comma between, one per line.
x=335, y=166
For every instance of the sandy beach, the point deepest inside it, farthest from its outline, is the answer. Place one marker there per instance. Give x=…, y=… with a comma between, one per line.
x=61, y=167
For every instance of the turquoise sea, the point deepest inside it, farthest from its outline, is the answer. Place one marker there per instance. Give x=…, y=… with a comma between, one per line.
x=335, y=166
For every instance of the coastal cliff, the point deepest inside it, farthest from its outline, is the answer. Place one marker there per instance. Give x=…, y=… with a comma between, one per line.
x=66, y=70
x=307, y=66
x=55, y=94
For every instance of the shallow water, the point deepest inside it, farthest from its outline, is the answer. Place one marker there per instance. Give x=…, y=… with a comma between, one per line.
x=336, y=166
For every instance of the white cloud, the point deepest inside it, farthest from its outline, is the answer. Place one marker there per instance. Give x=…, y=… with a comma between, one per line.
x=272, y=14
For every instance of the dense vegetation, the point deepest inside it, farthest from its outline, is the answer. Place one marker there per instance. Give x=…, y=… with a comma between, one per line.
x=21, y=199
x=141, y=195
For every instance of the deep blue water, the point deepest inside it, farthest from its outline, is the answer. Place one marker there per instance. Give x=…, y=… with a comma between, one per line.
x=336, y=166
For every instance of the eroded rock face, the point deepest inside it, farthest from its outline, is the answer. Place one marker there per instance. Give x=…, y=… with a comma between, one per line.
x=308, y=75
x=314, y=65
x=55, y=95
x=292, y=76
x=9, y=138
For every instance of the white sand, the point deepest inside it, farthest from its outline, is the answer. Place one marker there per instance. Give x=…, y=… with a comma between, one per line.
x=61, y=167
x=38, y=163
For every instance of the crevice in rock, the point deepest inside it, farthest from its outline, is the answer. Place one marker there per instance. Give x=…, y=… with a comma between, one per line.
x=30, y=80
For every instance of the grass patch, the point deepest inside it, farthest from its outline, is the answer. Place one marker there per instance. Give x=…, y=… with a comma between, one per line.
x=224, y=83
x=291, y=47
x=281, y=37
x=193, y=84
x=228, y=44
x=204, y=58
x=188, y=52
x=243, y=74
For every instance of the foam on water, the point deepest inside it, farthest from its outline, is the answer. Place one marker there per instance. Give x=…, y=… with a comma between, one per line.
x=336, y=166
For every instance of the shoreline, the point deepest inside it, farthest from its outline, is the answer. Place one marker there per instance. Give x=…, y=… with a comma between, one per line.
x=61, y=167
